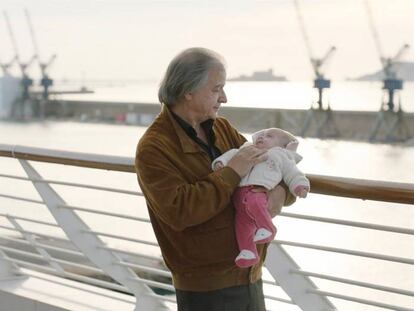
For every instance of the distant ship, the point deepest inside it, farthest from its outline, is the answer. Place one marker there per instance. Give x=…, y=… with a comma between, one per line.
x=405, y=71
x=260, y=76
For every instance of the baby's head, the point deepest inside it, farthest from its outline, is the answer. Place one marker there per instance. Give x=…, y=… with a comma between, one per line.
x=274, y=137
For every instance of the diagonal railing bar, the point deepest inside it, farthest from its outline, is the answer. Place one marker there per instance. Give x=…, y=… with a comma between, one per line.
x=298, y=287
x=75, y=228
x=30, y=238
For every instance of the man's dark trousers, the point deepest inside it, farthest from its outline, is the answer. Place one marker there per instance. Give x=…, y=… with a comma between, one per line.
x=238, y=298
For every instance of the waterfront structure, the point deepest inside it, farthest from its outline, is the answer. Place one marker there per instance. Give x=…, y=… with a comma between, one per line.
x=9, y=92
x=65, y=264
x=266, y=75
x=352, y=125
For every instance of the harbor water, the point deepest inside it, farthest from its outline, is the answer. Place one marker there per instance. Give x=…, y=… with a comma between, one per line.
x=324, y=157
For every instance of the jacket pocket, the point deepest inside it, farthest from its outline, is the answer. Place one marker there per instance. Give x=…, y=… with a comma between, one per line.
x=214, y=241
x=214, y=246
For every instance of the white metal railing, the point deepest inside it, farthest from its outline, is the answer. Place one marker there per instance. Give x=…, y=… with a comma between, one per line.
x=140, y=272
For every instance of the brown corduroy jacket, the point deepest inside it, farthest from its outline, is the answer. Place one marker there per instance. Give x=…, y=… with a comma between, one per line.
x=190, y=206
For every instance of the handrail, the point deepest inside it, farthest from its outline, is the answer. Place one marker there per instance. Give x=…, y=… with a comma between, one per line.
x=98, y=161
x=363, y=189
x=337, y=186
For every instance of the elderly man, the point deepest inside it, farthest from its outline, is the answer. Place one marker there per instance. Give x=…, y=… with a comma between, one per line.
x=190, y=205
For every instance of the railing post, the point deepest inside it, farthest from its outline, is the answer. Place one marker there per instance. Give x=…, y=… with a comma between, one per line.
x=8, y=270
x=298, y=287
x=90, y=244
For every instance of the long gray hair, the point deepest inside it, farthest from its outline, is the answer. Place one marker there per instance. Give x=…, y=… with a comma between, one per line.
x=187, y=72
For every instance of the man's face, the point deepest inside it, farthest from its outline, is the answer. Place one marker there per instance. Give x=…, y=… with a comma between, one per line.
x=268, y=139
x=207, y=100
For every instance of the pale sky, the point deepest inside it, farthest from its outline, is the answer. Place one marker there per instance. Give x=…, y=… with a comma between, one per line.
x=135, y=39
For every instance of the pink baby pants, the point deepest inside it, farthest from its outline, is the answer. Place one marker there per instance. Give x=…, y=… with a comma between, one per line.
x=251, y=215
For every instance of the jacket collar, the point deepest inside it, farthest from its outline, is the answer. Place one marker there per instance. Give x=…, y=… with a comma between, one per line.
x=187, y=144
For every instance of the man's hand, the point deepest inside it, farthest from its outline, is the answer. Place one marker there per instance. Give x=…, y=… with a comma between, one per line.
x=246, y=158
x=276, y=200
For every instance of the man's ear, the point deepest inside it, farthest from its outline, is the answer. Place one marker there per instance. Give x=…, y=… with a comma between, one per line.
x=292, y=145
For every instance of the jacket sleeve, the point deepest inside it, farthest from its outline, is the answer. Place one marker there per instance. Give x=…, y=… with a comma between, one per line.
x=174, y=200
x=225, y=157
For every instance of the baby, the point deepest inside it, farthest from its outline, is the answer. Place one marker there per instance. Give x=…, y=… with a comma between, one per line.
x=253, y=221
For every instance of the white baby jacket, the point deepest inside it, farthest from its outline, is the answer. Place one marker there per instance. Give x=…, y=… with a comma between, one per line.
x=280, y=164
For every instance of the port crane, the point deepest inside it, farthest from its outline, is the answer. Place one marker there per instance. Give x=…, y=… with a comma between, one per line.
x=390, y=117
x=323, y=118
x=46, y=81
x=320, y=82
x=26, y=82
x=391, y=84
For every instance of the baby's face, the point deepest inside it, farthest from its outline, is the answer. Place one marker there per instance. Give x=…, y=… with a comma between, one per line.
x=269, y=138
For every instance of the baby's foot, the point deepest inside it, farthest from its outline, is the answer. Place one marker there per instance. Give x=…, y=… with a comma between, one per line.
x=246, y=259
x=263, y=236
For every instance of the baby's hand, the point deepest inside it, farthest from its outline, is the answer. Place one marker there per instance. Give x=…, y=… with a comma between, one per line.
x=301, y=191
x=218, y=165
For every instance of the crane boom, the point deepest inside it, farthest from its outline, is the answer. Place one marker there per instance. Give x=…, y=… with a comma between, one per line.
x=303, y=30
x=43, y=65
x=23, y=66
x=32, y=34
x=375, y=33
x=12, y=38
x=400, y=53
x=328, y=54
